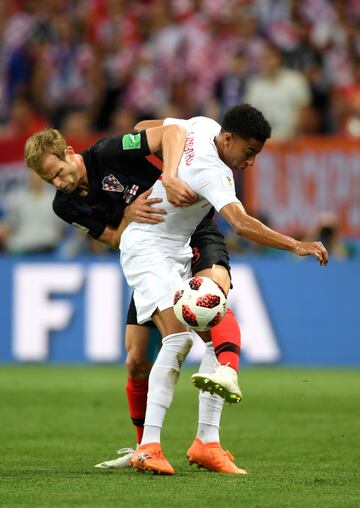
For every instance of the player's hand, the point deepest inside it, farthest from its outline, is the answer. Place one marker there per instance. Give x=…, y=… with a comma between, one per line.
x=312, y=249
x=142, y=209
x=178, y=192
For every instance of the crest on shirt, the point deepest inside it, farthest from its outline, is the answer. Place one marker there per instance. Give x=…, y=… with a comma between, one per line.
x=111, y=183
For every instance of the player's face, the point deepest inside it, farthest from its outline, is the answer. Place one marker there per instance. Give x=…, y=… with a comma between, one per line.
x=64, y=175
x=239, y=153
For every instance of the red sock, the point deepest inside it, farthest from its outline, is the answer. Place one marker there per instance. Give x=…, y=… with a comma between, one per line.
x=226, y=340
x=136, y=392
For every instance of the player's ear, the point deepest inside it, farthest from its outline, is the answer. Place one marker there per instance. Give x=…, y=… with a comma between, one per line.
x=228, y=138
x=69, y=151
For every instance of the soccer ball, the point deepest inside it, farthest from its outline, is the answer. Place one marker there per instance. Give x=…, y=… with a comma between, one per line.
x=200, y=303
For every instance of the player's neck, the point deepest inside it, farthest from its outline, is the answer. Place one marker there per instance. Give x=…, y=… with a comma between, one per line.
x=83, y=186
x=218, y=144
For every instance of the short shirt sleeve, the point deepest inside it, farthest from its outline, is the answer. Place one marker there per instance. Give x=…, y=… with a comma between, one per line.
x=93, y=227
x=176, y=121
x=81, y=216
x=125, y=147
x=215, y=182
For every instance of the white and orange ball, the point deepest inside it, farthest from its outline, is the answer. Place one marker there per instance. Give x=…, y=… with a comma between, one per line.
x=200, y=303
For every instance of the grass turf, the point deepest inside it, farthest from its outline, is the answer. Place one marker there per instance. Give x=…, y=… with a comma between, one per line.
x=297, y=433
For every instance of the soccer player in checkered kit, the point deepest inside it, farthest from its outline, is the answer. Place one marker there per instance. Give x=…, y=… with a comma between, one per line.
x=211, y=153
x=103, y=189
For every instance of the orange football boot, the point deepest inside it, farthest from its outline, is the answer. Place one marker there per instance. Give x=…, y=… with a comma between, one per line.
x=212, y=457
x=149, y=457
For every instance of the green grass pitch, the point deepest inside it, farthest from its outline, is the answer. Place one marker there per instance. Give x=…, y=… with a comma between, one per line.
x=296, y=432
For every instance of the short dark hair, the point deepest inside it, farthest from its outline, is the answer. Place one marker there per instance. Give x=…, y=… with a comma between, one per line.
x=247, y=122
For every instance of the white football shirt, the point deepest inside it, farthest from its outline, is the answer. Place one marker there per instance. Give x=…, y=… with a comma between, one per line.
x=206, y=174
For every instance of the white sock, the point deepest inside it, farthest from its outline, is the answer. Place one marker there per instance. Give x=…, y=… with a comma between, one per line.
x=210, y=406
x=162, y=381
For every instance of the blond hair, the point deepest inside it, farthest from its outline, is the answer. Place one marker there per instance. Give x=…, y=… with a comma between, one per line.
x=40, y=144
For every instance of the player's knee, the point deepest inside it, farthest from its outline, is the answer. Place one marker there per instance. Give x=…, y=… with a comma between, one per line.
x=137, y=366
x=219, y=274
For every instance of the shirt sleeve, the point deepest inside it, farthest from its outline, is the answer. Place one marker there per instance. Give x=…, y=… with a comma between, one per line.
x=177, y=121
x=126, y=147
x=216, y=183
x=90, y=224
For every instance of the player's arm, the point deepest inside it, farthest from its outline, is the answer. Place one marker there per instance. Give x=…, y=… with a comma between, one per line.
x=172, y=145
x=111, y=236
x=141, y=210
x=254, y=230
x=148, y=124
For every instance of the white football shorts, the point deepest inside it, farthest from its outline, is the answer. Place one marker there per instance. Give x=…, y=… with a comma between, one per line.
x=154, y=278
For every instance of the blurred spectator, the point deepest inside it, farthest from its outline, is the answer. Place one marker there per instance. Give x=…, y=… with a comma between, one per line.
x=249, y=38
x=181, y=100
x=153, y=70
x=67, y=74
x=144, y=93
x=112, y=30
x=122, y=121
x=304, y=57
x=270, y=12
x=279, y=93
x=23, y=120
x=230, y=87
x=309, y=122
x=15, y=58
x=327, y=231
x=347, y=104
x=76, y=124
x=28, y=227
x=208, y=39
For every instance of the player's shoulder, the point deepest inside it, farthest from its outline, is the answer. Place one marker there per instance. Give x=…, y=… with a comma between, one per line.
x=195, y=121
x=127, y=141
x=63, y=204
x=203, y=122
x=204, y=131
x=200, y=120
x=104, y=144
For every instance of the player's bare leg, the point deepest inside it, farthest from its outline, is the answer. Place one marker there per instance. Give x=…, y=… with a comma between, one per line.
x=138, y=368
x=222, y=379
x=219, y=274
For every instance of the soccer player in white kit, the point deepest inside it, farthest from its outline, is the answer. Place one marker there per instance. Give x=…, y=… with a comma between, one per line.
x=155, y=259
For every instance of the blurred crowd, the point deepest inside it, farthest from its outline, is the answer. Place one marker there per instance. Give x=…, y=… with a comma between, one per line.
x=85, y=65
x=99, y=66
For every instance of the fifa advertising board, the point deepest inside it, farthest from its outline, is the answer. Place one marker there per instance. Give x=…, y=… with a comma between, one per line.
x=290, y=312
